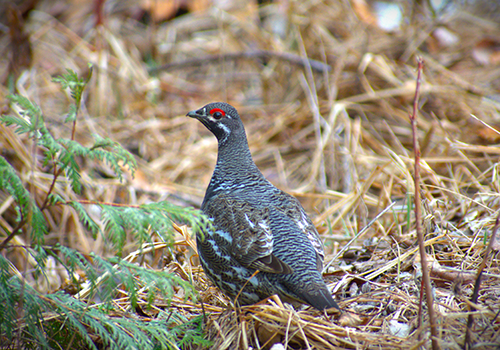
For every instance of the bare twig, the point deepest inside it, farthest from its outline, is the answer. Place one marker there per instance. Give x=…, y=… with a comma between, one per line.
x=14, y=232
x=418, y=213
x=477, y=284
x=257, y=54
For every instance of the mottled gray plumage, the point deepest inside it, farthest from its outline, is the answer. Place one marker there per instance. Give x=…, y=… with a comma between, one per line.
x=257, y=226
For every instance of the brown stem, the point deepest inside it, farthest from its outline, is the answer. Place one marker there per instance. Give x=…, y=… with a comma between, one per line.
x=99, y=12
x=12, y=234
x=477, y=284
x=418, y=213
x=57, y=172
x=258, y=54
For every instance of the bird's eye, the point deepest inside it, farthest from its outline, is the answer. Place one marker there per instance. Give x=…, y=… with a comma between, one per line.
x=217, y=113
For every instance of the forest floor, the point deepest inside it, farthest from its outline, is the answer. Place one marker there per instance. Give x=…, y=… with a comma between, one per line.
x=325, y=94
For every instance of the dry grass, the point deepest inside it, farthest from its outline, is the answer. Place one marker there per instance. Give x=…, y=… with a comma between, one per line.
x=339, y=140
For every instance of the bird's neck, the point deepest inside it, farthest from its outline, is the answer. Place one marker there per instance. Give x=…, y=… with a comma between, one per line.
x=233, y=153
x=234, y=159
x=234, y=167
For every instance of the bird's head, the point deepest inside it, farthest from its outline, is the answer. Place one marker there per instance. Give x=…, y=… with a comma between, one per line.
x=220, y=118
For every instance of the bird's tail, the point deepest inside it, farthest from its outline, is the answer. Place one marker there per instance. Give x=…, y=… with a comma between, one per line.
x=322, y=300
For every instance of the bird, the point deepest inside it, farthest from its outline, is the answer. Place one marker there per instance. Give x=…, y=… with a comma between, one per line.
x=261, y=242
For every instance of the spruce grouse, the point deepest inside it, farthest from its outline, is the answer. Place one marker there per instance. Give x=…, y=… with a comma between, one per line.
x=256, y=226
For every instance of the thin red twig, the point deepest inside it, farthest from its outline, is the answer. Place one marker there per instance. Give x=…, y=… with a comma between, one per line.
x=418, y=213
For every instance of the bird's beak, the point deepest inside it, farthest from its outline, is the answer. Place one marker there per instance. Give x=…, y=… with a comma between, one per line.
x=200, y=113
x=192, y=114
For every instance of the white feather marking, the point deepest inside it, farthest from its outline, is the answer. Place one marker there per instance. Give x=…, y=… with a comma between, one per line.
x=252, y=225
x=254, y=281
x=215, y=248
x=224, y=235
x=302, y=223
x=263, y=225
x=226, y=129
x=268, y=244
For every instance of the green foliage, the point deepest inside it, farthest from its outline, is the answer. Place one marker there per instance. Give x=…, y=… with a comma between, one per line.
x=147, y=218
x=189, y=331
x=115, y=332
x=31, y=319
x=77, y=86
x=62, y=153
x=7, y=314
x=29, y=214
x=85, y=218
x=189, y=216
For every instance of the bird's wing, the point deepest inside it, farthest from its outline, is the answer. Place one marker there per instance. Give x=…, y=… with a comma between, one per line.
x=250, y=232
x=291, y=207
